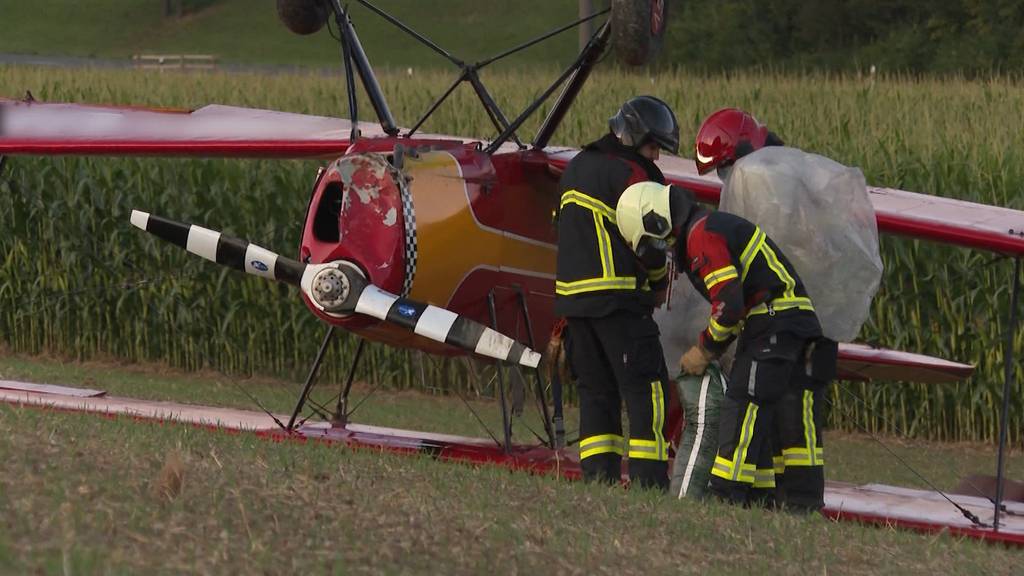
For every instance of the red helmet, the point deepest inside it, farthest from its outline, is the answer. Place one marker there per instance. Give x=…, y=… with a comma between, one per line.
x=722, y=133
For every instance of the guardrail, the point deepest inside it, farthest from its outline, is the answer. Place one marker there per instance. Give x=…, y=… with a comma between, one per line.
x=175, y=61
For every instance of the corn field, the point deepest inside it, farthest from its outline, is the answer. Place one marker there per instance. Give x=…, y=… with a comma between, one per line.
x=76, y=279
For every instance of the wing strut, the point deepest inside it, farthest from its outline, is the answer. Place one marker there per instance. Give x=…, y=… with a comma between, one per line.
x=355, y=57
x=1008, y=367
x=470, y=73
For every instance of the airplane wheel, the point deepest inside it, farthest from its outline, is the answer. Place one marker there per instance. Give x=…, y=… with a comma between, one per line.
x=638, y=29
x=302, y=16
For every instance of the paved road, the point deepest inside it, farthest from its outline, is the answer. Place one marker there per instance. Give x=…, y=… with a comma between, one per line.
x=79, y=62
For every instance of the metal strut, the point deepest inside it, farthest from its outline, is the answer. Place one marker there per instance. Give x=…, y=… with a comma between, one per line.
x=344, y=25
x=506, y=420
x=340, y=417
x=311, y=378
x=579, y=71
x=469, y=73
x=1008, y=377
x=555, y=429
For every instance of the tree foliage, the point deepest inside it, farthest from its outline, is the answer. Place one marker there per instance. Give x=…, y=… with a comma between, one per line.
x=969, y=36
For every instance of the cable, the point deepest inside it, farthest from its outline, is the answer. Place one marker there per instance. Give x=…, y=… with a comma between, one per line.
x=967, y=513
x=258, y=403
x=878, y=415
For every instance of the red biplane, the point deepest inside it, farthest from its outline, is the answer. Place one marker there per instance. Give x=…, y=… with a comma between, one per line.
x=446, y=245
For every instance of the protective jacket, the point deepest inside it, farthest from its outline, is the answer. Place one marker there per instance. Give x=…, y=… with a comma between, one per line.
x=751, y=285
x=597, y=271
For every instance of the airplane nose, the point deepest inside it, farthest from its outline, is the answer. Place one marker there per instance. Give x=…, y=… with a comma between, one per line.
x=361, y=212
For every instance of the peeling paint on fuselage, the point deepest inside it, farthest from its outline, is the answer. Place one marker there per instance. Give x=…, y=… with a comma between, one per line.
x=362, y=174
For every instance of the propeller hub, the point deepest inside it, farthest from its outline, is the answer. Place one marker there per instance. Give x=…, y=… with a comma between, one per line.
x=331, y=289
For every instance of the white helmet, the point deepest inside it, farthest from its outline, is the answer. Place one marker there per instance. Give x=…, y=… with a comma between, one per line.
x=644, y=209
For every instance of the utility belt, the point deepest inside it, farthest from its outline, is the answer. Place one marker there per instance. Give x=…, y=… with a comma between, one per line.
x=817, y=355
x=780, y=304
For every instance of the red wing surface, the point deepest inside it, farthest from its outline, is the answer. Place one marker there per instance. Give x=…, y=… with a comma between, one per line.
x=61, y=129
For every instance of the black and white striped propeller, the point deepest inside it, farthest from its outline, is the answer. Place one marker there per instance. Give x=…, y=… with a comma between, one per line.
x=339, y=288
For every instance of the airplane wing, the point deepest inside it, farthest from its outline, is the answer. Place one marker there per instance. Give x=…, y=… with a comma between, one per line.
x=924, y=216
x=39, y=128
x=860, y=362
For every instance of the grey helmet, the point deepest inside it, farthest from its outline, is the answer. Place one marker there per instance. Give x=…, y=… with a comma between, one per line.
x=646, y=119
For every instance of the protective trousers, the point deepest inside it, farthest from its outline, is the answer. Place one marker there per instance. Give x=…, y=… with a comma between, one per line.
x=618, y=357
x=770, y=444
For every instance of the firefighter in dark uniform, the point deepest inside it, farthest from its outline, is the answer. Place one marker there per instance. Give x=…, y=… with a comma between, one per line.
x=774, y=393
x=607, y=297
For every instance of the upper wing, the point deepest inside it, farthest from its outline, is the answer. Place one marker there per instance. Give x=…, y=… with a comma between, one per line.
x=898, y=211
x=60, y=129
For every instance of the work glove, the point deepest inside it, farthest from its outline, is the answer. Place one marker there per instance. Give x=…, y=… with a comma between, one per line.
x=555, y=359
x=695, y=360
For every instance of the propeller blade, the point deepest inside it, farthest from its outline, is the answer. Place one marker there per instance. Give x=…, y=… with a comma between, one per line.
x=443, y=325
x=340, y=288
x=215, y=247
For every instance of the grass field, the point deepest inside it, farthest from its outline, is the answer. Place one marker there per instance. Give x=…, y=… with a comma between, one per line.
x=89, y=495
x=248, y=31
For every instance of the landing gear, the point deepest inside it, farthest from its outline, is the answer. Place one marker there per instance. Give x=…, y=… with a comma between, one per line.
x=311, y=377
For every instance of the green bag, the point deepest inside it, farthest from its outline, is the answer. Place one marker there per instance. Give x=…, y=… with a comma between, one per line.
x=701, y=397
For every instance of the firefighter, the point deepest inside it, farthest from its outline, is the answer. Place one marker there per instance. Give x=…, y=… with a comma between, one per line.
x=782, y=363
x=607, y=297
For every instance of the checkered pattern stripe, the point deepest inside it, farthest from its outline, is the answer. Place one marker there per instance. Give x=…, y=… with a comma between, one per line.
x=409, y=217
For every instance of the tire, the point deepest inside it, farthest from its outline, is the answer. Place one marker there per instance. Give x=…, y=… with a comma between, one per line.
x=638, y=29
x=302, y=16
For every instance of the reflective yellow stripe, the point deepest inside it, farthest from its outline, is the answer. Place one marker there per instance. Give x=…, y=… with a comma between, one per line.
x=656, y=449
x=657, y=274
x=751, y=250
x=588, y=202
x=601, y=444
x=604, y=247
x=776, y=265
x=757, y=245
x=608, y=280
x=646, y=449
x=719, y=332
x=803, y=457
x=780, y=304
x=593, y=284
x=746, y=436
x=810, y=434
x=658, y=401
x=600, y=438
x=737, y=470
x=764, y=478
x=720, y=275
x=724, y=469
x=779, y=464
